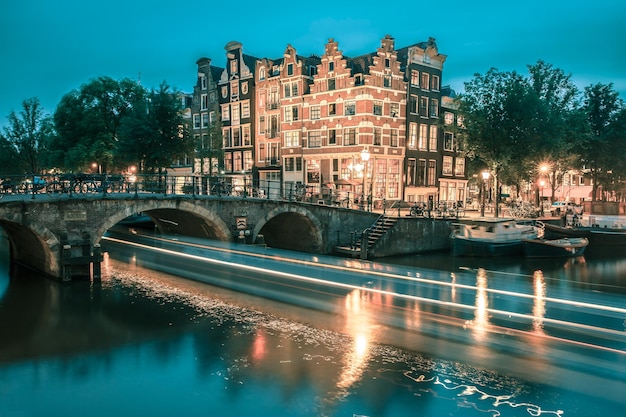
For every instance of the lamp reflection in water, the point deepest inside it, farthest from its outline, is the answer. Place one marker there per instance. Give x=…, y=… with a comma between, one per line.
x=359, y=327
x=480, y=324
x=539, y=303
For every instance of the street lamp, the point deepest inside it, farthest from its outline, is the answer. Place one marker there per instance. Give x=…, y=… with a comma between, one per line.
x=485, y=175
x=365, y=157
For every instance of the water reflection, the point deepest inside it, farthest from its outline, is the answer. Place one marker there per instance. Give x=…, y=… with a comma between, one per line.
x=480, y=323
x=539, y=304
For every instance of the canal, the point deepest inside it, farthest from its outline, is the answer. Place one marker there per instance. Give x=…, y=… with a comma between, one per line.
x=304, y=335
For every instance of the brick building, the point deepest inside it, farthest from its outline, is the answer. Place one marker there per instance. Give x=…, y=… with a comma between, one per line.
x=369, y=127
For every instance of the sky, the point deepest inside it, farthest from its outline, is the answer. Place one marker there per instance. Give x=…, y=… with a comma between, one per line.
x=50, y=48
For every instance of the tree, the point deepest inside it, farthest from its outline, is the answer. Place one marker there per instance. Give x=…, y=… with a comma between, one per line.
x=88, y=119
x=496, y=108
x=26, y=137
x=558, y=122
x=154, y=133
x=605, y=142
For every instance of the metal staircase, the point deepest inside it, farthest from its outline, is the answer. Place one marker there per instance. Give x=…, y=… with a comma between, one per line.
x=369, y=236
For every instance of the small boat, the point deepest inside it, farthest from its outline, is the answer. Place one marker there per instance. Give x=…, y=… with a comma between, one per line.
x=565, y=247
x=490, y=236
x=599, y=237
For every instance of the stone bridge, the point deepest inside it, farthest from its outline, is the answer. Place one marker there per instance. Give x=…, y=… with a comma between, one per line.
x=59, y=235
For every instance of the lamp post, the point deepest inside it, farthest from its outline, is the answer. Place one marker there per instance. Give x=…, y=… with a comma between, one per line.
x=485, y=175
x=365, y=157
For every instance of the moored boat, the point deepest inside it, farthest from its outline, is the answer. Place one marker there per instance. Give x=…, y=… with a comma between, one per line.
x=490, y=236
x=565, y=247
x=598, y=237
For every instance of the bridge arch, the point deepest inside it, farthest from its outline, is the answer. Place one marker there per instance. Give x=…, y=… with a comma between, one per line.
x=175, y=217
x=33, y=245
x=291, y=227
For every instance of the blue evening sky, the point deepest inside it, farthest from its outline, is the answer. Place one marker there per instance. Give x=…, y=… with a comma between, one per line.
x=49, y=48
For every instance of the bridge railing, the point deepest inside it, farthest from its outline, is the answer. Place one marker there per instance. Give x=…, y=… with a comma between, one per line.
x=94, y=184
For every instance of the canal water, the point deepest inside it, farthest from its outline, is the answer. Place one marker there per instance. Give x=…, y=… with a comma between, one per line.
x=143, y=342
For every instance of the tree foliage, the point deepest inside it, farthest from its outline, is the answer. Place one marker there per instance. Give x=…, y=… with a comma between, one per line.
x=604, y=144
x=25, y=139
x=88, y=120
x=154, y=133
x=515, y=123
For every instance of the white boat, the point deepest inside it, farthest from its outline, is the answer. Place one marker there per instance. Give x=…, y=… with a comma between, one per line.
x=490, y=236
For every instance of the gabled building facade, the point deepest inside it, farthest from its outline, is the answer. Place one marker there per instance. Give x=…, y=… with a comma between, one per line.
x=205, y=117
x=355, y=108
x=423, y=66
x=372, y=127
x=237, y=105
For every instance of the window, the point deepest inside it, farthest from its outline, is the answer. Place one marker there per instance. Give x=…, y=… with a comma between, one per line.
x=394, y=110
x=425, y=81
x=421, y=173
x=196, y=121
x=291, y=89
x=233, y=66
x=387, y=81
x=226, y=112
x=447, y=165
x=394, y=138
x=262, y=125
x=435, y=82
x=378, y=136
x=358, y=79
x=331, y=66
x=387, y=63
x=291, y=113
x=349, y=136
x=432, y=146
x=237, y=161
x=423, y=106
x=313, y=171
x=432, y=172
x=349, y=108
x=448, y=118
x=289, y=69
x=248, y=162
x=331, y=84
x=378, y=108
x=423, y=136
x=332, y=137
x=315, y=139
x=413, y=104
x=448, y=141
x=226, y=139
x=332, y=109
x=415, y=78
x=245, y=109
x=292, y=138
x=247, y=141
x=273, y=99
x=410, y=172
x=204, y=102
x=434, y=108
x=273, y=126
x=203, y=82
x=205, y=119
x=459, y=167
x=235, y=113
x=315, y=112
x=289, y=164
x=412, y=136
x=234, y=89
x=261, y=73
x=236, y=136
